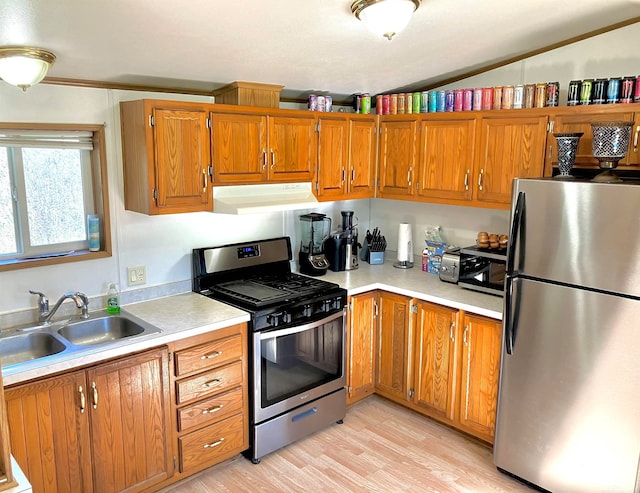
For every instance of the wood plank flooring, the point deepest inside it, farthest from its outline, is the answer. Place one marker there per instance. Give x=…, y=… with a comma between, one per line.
x=381, y=447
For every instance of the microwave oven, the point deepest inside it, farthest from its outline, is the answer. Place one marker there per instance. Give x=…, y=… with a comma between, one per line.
x=480, y=269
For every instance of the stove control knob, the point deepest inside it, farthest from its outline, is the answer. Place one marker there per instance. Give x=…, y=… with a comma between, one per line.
x=307, y=311
x=337, y=303
x=286, y=317
x=326, y=305
x=274, y=319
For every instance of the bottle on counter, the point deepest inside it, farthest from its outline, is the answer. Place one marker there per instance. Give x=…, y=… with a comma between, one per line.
x=113, y=299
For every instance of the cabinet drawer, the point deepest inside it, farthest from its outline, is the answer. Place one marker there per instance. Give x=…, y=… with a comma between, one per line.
x=208, y=355
x=209, y=410
x=208, y=383
x=218, y=441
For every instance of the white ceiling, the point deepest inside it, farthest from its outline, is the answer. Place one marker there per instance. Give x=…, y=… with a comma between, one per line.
x=305, y=45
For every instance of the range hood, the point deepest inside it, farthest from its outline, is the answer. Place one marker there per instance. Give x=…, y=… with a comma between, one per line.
x=253, y=199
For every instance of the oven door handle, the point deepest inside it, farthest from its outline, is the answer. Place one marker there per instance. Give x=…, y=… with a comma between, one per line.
x=270, y=334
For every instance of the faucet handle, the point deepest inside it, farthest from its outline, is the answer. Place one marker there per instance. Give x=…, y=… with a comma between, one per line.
x=43, y=301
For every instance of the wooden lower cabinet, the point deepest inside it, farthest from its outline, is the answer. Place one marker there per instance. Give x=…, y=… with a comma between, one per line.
x=101, y=429
x=439, y=361
x=361, y=344
x=209, y=385
x=392, y=365
x=479, y=350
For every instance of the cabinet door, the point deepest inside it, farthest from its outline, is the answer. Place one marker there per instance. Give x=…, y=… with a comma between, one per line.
x=434, y=372
x=292, y=148
x=49, y=429
x=581, y=122
x=182, y=158
x=446, y=159
x=397, y=157
x=363, y=149
x=239, y=148
x=129, y=402
x=393, y=337
x=480, y=375
x=509, y=148
x=361, y=346
x=333, y=147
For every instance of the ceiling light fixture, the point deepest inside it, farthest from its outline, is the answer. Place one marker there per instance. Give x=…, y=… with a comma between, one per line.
x=23, y=66
x=385, y=17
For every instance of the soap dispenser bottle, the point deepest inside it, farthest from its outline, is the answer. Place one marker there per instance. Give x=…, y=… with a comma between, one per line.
x=113, y=299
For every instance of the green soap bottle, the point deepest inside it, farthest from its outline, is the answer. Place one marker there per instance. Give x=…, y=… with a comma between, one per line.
x=113, y=299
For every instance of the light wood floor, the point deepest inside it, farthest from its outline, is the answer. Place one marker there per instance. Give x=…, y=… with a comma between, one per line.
x=381, y=447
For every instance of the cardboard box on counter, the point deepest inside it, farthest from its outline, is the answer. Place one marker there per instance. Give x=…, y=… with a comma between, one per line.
x=432, y=256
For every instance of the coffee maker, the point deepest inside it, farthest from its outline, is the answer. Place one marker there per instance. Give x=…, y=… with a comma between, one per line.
x=341, y=249
x=315, y=228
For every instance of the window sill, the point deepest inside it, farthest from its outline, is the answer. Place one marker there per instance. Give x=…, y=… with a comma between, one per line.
x=77, y=256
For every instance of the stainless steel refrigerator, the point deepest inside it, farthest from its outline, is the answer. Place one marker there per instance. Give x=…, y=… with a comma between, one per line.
x=569, y=400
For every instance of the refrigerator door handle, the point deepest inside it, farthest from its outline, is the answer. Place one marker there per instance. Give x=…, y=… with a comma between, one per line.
x=511, y=312
x=517, y=226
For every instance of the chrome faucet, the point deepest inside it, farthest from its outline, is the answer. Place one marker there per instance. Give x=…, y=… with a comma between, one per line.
x=80, y=299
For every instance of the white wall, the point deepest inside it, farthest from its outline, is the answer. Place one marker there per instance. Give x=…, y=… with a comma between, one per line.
x=164, y=243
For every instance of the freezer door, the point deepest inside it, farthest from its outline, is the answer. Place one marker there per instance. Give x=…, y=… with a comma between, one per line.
x=576, y=232
x=569, y=400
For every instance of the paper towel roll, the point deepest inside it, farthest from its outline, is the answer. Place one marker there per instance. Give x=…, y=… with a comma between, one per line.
x=405, y=244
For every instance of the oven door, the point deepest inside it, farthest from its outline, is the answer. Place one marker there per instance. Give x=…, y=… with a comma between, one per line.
x=296, y=365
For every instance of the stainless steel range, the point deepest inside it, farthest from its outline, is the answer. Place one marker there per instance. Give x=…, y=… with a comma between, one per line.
x=297, y=338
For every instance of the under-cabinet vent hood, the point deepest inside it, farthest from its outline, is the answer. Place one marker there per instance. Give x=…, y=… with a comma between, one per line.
x=252, y=199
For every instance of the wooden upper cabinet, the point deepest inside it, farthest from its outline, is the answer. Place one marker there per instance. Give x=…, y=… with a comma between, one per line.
x=166, y=156
x=239, y=148
x=363, y=315
x=347, y=149
x=130, y=422
x=581, y=122
x=292, y=148
x=49, y=430
x=434, y=364
x=397, y=157
x=333, y=157
x=446, y=158
x=480, y=375
x=392, y=364
x=510, y=147
x=363, y=149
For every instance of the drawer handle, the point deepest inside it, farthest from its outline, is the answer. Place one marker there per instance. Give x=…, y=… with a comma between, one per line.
x=211, y=383
x=214, y=444
x=212, y=410
x=214, y=354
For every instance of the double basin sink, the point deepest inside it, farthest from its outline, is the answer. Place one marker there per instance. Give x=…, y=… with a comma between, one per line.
x=36, y=342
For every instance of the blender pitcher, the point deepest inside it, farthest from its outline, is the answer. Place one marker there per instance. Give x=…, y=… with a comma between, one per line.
x=315, y=229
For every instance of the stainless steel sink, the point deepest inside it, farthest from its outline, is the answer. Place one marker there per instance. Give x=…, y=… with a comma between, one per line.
x=26, y=347
x=104, y=329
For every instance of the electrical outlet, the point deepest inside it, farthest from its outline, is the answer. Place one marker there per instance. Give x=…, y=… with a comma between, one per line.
x=136, y=275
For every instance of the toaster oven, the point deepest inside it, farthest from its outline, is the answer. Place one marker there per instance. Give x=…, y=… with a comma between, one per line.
x=480, y=269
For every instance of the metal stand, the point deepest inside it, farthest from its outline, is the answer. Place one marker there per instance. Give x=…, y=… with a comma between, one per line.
x=403, y=264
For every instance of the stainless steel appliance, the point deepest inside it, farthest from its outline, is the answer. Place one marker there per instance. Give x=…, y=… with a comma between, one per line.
x=341, y=248
x=569, y=399
x=480, y=269
x=315, y=229
x=297, y=337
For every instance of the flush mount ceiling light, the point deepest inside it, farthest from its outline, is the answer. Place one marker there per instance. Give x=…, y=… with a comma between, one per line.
x=24, y=66
x=385, y=17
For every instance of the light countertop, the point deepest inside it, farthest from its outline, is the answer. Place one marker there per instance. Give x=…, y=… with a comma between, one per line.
x=189, y=314
x=416, y=284
x=180, y=316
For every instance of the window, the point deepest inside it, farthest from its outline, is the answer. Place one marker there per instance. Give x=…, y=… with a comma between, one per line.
x=51, y=178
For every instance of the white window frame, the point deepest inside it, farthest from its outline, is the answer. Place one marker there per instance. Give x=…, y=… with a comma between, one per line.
x=91, y=138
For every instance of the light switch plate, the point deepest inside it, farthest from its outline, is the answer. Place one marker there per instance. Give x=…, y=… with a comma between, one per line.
x=136, y=275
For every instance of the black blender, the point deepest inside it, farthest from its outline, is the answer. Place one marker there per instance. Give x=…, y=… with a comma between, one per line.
x=315, y=228
x=342, y=247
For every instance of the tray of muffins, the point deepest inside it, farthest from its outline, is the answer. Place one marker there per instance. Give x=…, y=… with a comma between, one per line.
x=492, y=241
